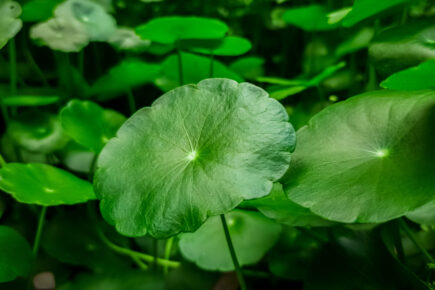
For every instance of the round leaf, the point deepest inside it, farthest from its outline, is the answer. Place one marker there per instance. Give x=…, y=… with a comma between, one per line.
x=369, y=159
x=414, y=78
x=16, y=258
x=38, y=10
x=277, y=206
x=199, y=151
x=43, y=184
x=10, y=24
x=29, y=101
x=310, y=18
x=249, y=67
x=251, y=233
x=169, y=30
x=89, y=124
x=228, y=46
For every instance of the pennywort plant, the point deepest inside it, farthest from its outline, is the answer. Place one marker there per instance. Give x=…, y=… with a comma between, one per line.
x=228, y=145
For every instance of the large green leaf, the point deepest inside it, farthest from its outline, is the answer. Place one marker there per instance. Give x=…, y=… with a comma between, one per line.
x=311, y=18
x=16, y=258
x=128, y=74
x=89, y=124
x=168, y=30
x=245, y=228
x=43, y=184
x=414, y=78
x=37, y=132
x=10, y=24
x=228, y=46
x=199, y=151
x=277, y=206
x=368, y=159
x=363, y=9
x=195, y=68
x=401, y=47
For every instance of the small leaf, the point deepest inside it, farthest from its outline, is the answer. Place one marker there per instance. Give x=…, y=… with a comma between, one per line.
x=251, y=233
x=195, y=68
x=38, y=10
x=126, y=75
x=355, y=42
x=356, y=173
x=199, y=151
x=10, y=24
x=364, y=9
x=16, y=258
x=228, y=46
x=414, y=78
x=37, y=132
x=43, y=184
x=29, y=101
x=424, y=214
x=310, y=18
x=89, y=124
x=277, y=206
x=168, y=30
x=250, y=67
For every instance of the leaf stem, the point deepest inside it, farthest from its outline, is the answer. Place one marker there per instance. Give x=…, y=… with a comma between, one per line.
x=168, y=248
x=131, y=101
x=13, y=66
x=233, y=254
x=134, y=254
x=180, y=67
x=412, y=237
x=39, y=230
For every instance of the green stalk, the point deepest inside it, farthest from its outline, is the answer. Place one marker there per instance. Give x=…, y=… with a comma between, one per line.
x=135, y=255
x=211, y=64
x=233, y=254
x=33, y=63
x=412, y=237
x=180, y=67
x=131, y=101
x=13, y=66
x=39, y=230
x=168, y=248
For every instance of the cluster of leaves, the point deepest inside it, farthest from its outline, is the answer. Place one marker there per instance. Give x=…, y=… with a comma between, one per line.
x=318, y=174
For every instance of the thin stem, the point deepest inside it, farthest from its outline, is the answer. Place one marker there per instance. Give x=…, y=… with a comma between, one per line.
x=155, y=253
x=168, y=248
x=180, y=67
x=139, y=263
x=33, y=63
x=412, y=237
x=131, y=101
x=398, y=241
x=211, y=65
x=233, y=254
x=39, y=230
x=131, y=253
x=13, y=66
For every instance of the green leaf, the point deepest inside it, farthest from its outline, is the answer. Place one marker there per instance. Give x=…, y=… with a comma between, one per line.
x=43, y=184
x=199, y=151
x=251, y=233
x=29, y=101
x=228, y=46
x=277, y=206
x=168, y=30
x=77, y=158
x=195, y=68
x=364, y=9
x=37, y=132
x=10, y=24
x=16, y=258
x=250, y=67
x=38, y=10
x=414, y=78
x=424, y=214
x=401, y=47
x=126, y=75
x=355, y=173
x=80, y=244
x=355, y=42
x=310, y=18
x=136, y=280
x=89, y=124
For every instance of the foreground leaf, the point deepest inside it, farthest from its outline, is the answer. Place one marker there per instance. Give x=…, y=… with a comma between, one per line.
x=199, y=151
x=369, y=165
x=414, y=78
x=89, y=124
x=16, y=258
x=43, y=184
x=245, y=228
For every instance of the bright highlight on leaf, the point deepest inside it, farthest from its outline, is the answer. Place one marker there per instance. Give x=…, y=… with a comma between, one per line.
x=198, y=151
x=369, y=164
